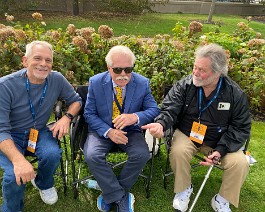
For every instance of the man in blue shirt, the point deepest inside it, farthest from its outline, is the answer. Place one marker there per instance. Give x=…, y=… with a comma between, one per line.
x=27, y=99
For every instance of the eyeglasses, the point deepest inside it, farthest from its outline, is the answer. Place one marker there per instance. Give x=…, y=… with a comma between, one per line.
x=118, y=70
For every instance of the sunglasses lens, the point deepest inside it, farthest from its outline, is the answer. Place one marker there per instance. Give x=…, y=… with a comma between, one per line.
x=117, y=70
x=128, y=70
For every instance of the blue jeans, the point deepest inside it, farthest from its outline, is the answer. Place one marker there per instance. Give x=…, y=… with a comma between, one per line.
x=48, y=154
x=95, y=150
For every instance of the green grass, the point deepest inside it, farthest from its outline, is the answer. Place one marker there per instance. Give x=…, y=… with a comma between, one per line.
x=252, y=193
x=146, y=25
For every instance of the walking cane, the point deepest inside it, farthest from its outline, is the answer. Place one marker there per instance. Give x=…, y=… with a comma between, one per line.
x=202, y=186
x=216, y=161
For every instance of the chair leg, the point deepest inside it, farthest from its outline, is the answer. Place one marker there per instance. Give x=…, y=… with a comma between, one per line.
x=167, y=172
x=150, y=177
x=63, y=176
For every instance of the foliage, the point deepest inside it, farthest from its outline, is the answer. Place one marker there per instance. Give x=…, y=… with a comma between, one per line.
x=129, y=6
x=80, y=53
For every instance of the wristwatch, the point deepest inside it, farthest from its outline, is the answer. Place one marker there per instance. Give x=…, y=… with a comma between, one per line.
x=69, y=115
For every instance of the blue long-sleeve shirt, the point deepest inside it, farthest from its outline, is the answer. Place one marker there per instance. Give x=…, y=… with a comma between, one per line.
x=15, y=113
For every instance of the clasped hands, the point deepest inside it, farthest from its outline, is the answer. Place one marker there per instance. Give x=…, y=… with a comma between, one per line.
x=117, y=135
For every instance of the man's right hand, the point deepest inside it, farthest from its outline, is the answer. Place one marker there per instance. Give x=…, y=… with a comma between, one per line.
x=23, y=171
x=118, y=136
x=155, y=129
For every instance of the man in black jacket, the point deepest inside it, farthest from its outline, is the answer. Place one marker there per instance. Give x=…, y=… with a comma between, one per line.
x=210, y=114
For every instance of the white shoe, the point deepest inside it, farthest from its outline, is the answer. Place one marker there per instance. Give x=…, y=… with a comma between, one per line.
x=182, y=199
x=48, y=196
x=219, y=206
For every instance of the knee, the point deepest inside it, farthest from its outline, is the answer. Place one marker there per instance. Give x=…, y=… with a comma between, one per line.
x=142, y=155
x=92, y=157
x=52, y=155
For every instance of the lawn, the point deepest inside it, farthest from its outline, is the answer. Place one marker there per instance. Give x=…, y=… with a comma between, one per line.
x=147, y=25
x=252, y=195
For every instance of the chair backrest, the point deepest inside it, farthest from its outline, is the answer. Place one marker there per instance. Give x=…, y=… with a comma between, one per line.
x=82, y=128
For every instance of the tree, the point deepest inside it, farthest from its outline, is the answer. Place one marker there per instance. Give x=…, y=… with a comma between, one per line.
x=211, y=12
x=75, y=7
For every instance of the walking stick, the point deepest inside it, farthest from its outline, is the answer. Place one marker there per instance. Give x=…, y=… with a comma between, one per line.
x=202, y=186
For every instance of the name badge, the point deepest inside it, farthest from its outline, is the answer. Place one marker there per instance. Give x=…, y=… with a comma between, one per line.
x=223, y=106
x=198, y=132
x=33, y=137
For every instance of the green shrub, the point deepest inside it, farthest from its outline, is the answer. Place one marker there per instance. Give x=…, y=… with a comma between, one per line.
x=80, y=53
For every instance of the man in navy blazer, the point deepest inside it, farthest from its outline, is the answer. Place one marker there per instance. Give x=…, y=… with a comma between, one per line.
x=138, y=108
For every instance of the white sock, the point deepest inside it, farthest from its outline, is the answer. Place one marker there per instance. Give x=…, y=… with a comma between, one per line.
x=221, y=199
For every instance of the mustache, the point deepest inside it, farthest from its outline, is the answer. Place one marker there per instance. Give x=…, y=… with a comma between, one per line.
x=122, y=78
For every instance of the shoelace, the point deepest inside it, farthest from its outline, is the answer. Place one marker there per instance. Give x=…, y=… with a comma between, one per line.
x=48, y=192
x=185, y=195
x=223, y=205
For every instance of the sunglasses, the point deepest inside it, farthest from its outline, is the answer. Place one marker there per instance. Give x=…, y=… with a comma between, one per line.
x=118, y=70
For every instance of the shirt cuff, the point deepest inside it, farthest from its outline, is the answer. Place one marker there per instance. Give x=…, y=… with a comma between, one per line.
x=105, y=134
x=138, y=121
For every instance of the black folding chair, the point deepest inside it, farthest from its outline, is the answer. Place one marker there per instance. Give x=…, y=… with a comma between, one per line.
x=63, y=172
x=78, y=134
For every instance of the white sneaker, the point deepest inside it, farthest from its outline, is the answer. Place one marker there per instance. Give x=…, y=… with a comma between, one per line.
x=182, y=199
x=48, y=196
x=219, y=206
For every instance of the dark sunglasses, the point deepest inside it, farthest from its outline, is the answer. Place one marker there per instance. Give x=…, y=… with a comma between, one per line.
x=118, y=70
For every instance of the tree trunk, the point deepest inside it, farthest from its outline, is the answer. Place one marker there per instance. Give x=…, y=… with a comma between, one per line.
x=210, y=16
x=75, y=7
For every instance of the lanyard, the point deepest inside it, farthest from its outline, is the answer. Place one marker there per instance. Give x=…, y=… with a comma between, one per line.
x=211, y=101
x=121, y=109
x=41, y=98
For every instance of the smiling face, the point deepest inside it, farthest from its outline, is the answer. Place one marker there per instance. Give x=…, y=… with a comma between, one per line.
x=38, y=63
x=122, y=61
x=202, y=73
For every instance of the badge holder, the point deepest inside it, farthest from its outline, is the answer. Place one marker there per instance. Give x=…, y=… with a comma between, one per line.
x=33, y=137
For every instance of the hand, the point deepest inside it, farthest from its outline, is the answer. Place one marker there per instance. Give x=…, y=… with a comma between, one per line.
x=118, y=136
x=124, y=120
x=23, y=171
x=155, y=129
x=61, y=127
x=212, y=158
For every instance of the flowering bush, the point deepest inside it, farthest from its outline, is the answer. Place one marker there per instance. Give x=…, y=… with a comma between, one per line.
x=80, y=53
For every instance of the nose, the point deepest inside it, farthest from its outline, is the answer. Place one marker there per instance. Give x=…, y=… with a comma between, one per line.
x=123, y=72
x=43, y=62
x=195, y=71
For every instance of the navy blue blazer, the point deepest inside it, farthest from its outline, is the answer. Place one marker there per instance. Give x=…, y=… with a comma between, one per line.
x=98, y=107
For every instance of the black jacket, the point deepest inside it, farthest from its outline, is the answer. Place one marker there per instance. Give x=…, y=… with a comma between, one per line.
x=236, y=122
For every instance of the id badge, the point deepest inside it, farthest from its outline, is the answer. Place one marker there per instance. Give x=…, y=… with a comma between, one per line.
x=198, y=132
x=33, y=137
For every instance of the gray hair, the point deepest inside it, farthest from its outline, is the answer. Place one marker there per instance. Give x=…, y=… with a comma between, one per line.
x=120, y=50
x=34, y=43
x=217, y=56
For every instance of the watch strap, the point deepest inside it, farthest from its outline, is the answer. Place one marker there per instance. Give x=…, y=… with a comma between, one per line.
x=69, y=115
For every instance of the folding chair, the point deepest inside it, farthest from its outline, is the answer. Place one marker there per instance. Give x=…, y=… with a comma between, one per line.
x=63, y=172
x=78, y=134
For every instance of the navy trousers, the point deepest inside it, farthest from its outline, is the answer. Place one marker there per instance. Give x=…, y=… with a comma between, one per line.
x=114, y=187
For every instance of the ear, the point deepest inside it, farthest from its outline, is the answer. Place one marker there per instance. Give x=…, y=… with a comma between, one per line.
x=25, y=61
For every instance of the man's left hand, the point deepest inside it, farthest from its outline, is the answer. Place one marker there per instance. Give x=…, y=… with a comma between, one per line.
x=213, y=158
x=61, y=127
x=124, y=120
